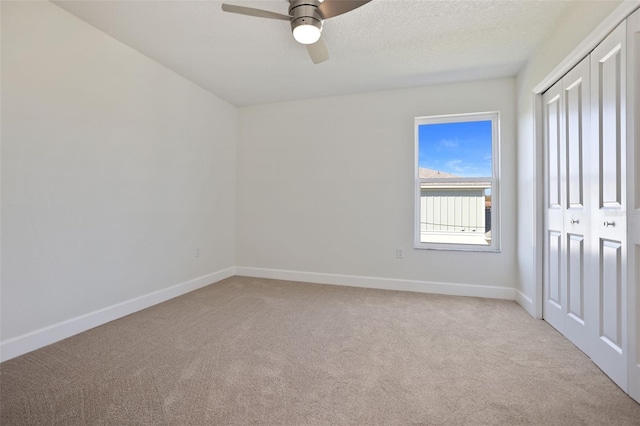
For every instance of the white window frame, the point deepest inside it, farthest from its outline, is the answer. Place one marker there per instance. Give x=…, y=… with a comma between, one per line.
x=494, y=117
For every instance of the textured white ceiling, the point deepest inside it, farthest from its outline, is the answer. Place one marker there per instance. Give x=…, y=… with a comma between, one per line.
x=385, y=44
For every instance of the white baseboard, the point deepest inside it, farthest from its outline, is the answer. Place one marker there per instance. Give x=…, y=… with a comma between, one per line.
x=452, y=289
x=17, y=346
x=526, y=302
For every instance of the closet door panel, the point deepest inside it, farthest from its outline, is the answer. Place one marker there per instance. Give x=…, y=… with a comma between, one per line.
x=576, y=118
x=608, y=164
x=554, y=148
x=566, y=108
x=575, y=97
x=610, y=105
x=554, y=288
x=610, y=288
x=576, y=277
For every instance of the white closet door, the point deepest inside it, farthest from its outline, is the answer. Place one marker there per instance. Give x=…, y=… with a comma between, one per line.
x=566, y=123
x=609, y=245
x=576, y=113
x=633, y=199
x=554, y=289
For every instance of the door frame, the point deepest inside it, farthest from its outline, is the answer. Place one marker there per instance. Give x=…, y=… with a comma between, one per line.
x=623, y=11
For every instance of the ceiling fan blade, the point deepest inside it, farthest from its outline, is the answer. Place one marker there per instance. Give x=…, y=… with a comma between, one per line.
x=254, y=12
x=318, y=51
x=331, y=8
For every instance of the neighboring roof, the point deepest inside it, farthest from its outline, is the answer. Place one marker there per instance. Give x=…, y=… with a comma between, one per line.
x=425, y=173
x=455, y=185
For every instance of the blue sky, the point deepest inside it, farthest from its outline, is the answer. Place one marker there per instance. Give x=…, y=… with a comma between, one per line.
x=462, y=149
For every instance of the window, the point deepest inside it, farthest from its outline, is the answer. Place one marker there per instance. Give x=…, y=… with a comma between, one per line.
x=456, y=175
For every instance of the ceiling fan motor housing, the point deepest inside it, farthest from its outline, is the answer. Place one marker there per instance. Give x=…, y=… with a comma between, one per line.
x=305, y=12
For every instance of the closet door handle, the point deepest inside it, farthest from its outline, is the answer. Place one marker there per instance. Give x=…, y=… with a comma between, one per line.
x=575, y=221
x=608, y=224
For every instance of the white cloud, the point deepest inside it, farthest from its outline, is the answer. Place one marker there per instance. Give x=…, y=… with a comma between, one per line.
x=457, y=166
x=448, y=143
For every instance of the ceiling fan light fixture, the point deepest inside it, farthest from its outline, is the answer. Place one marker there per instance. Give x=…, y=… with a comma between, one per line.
x=306, y=18
x=306, y=21
x=307, y=33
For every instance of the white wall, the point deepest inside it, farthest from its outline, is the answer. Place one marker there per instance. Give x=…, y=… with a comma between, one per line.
x=114, y=170
x=326, y=185
x=578, y=22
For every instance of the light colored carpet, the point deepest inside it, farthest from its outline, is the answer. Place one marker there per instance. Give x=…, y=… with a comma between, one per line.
x=254, y=351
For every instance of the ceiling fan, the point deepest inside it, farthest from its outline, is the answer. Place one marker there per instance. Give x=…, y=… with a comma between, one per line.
x=306, y=18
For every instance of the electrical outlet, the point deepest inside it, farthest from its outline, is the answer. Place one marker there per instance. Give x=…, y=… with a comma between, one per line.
x=400, y=253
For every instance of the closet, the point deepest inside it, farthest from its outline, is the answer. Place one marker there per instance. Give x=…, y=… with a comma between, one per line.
x=591, y=248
